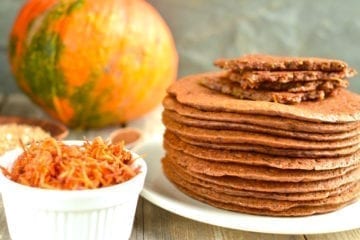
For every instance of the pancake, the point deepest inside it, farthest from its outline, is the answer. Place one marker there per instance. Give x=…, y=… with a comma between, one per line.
x=296, y=87
x=262, y=173
x=270, y=204
x=265, y=203
x=171, y=141
x=304, y=196
x=243, y=137
x=220, y=125
x=275, y=151
x=235, y=89
x=219, y=169
x=269, y=186
x=259, y=120
x=295, y=211
x=278, y=63
x=342, y=107
x=262, y=206
x=254, y=79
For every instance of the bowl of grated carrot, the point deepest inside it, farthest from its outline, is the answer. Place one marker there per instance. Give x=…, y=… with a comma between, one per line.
x=71, y=189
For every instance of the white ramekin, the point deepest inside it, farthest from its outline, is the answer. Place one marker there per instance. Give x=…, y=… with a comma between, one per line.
x=99, y=214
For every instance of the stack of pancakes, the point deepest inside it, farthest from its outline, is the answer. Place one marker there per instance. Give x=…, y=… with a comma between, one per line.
x=265, y=157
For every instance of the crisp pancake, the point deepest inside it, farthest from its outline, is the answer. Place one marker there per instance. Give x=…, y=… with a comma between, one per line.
x=341, y=107
x=259, y=120
x=243, y=137
x=252, y=158
x=223, y=85
x=265, y=62
x=220, y=125
x=254, y=79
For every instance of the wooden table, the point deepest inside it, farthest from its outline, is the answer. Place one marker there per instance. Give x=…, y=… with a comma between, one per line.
x=152, y=222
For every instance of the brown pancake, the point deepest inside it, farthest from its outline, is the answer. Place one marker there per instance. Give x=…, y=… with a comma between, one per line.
x=259, y=120
x=297, y=87
x=255, y=78
x=270, y=204
x=275, y=151
x=304, y=196
x=258, y=203
x=219, y=169
x=243, y=137
x=217, y=125
x=341, y=107
x=251, y=158
x=278, y=63
x=271, y=186
x=234, y=89
x=296, y=211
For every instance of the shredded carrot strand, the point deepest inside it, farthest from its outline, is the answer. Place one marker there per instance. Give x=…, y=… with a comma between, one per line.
x=52, y=164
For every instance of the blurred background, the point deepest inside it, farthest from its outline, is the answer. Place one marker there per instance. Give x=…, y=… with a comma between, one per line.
x=207, y=29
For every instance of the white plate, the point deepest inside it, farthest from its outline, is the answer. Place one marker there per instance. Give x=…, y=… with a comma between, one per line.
x=161, y=192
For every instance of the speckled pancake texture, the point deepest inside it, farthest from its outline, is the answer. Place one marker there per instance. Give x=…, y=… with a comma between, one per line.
x=262, y=157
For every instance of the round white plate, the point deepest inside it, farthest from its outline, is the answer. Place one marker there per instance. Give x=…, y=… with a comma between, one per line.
x=161, y=192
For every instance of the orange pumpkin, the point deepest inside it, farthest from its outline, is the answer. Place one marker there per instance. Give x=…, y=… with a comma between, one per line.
x=91, y=63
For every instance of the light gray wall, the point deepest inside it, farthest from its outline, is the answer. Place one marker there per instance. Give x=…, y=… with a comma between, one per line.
x=8, y=11
x=207, y=29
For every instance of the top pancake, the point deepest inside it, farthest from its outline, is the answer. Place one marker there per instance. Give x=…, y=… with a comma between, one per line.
x=229, y=118
x=342, y=107
x=279, y=63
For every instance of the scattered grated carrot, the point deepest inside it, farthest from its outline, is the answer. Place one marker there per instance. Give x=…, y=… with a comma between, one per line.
x=51, y=164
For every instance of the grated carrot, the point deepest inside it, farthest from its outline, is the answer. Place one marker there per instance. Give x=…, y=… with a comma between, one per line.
x=52, y=164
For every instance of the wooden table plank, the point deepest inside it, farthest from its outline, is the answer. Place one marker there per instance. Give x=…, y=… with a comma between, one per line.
x=161, y=224
x=138, y=228
x=4, y=233
x=353, y=234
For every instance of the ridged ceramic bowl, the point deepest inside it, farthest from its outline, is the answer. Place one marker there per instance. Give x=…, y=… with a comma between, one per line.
x=99, y=214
